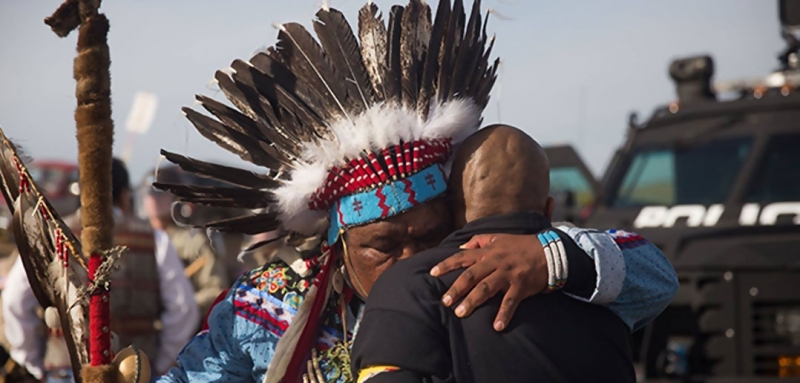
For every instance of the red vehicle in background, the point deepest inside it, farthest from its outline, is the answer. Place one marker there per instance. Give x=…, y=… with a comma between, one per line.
x=58, y=181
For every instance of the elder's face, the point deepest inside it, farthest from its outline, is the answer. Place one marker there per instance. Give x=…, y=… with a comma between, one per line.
x=376, y=246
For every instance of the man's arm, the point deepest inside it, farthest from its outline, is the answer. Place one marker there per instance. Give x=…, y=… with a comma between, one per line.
x=22, y=326
x=636, y=282
x=180, y=318
x=634, y=278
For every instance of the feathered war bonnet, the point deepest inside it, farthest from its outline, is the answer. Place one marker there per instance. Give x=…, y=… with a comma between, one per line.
x=352, y=130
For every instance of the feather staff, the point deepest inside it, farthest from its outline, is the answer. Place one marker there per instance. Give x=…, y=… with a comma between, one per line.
x=95, y=131
x=38, y=232
x=48, y=270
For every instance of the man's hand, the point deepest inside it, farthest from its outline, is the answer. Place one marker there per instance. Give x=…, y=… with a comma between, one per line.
x=515, y=264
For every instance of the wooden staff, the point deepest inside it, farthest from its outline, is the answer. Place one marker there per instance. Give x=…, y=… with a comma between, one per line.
x=95, y=138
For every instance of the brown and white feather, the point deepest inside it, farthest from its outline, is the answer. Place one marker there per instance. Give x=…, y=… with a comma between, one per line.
x=372, y=33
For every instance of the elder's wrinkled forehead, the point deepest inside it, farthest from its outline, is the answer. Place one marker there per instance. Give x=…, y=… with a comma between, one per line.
x=418, y=229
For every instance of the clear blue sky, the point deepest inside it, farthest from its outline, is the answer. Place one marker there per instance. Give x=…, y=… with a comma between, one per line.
x=572, y=70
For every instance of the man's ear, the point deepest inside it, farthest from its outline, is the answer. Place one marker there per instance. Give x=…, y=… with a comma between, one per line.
x=549, y=206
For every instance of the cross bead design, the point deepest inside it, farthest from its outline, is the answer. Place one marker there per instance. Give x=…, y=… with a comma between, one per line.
x=429, y=179
x=357, y=206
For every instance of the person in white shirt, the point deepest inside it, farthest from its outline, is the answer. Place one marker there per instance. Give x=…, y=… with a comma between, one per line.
x=152, y=301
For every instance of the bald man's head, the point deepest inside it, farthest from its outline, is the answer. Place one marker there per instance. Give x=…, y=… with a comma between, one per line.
x=498, y=170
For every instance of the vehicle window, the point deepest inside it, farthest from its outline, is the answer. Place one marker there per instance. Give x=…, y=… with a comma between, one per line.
x=571, y=179
x=778, y=177
x=702, y=174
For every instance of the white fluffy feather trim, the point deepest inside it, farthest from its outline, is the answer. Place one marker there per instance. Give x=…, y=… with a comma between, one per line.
x=377, y=128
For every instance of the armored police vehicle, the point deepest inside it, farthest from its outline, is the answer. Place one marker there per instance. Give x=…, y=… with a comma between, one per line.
x=715, y=183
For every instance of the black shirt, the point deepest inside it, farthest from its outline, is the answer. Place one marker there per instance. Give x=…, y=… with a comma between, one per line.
x=551, y=338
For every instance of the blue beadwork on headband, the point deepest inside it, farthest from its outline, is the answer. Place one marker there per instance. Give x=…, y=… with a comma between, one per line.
x=386, y=200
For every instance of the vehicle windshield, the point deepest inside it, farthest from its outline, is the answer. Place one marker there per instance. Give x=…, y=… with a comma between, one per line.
x=570, y=179
x=702, y=174
x=778, y=177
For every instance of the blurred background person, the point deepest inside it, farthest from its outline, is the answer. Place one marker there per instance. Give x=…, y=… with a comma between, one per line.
x=151, y=302
x=201, y=263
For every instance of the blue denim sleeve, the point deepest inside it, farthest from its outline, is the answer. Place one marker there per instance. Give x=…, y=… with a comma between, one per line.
x=634, y=278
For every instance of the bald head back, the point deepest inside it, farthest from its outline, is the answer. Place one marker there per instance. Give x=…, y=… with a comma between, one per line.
x=499, y=170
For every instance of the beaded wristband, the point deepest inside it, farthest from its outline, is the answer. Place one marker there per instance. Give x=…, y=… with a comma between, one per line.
x=563, y=256
x=556, y=256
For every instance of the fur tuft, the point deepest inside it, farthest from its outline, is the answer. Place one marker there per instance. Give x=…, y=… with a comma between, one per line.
x=101, y=374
